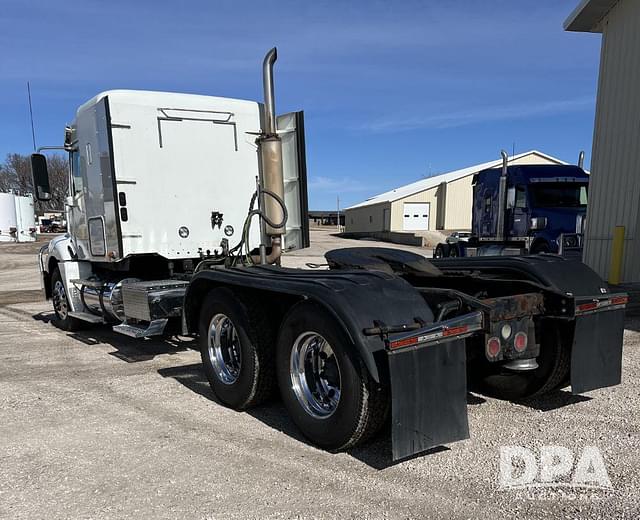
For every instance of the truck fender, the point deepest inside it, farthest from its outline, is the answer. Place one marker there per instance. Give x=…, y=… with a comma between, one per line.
x=356, y=299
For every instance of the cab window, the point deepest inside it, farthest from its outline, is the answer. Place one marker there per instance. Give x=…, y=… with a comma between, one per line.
x=76, y=172
x=521, y=197
x=487, y=203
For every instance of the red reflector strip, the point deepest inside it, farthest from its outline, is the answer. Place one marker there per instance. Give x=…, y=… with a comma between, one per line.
x=583, y=307
x=619, y=300
x=454, y=331
x=404, y=342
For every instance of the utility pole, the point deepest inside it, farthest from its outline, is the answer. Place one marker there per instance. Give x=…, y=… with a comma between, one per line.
x=338, y=215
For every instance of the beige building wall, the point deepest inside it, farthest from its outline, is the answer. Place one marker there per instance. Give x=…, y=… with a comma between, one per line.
x=397, y=208
x=459, y=204
x=614, y=191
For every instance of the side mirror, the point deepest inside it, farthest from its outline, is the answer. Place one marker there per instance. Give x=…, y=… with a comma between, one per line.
x=511, y=198
x=40, y=175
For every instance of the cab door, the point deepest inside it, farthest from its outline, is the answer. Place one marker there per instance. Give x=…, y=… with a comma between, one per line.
x=75, y=212
x=519, y=218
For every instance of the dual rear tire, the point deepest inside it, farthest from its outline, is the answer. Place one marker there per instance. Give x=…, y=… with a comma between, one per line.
x=324, y=386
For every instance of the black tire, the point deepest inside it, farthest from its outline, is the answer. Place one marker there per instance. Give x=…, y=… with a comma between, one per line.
x=62, y=319
x=540, y=247
x=255, y=379
x=362, y=406
x=441, y=251
x=554, y=364
x=454, y=251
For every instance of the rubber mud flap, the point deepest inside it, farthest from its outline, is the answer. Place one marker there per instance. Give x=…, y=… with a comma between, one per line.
x=596, y=356
x=428, y=397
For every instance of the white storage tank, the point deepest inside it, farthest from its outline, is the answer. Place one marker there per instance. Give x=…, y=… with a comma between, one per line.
x=17, y=218
x=25, y=219
x=8, y=221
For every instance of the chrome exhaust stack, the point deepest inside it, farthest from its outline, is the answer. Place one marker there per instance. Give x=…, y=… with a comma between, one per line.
x=272, y=180
x=502, y=196
x=581, y=160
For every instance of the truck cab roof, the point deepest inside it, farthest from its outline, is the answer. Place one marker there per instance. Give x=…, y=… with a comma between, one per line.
x=532, y=173
x=166, y=100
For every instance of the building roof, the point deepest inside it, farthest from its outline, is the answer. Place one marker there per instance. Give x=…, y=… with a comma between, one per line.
x=432, y=182
x=588, y=15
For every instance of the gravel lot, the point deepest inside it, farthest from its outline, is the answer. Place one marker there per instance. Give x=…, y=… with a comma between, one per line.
x=97, y=425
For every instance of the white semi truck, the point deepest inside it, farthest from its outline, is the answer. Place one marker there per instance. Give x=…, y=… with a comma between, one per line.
x=179, y=209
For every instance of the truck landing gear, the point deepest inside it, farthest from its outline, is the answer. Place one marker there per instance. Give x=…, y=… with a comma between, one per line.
x=327, y=392
x=235, y=343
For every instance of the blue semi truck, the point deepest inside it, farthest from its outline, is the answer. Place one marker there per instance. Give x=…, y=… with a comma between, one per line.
x=524, y=209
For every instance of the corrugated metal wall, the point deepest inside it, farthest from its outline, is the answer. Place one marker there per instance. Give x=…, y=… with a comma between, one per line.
x=614, y=193
x=366, y=219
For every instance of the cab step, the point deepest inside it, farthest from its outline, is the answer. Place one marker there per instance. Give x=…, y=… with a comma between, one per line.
x=153, y=328
x=86, y=316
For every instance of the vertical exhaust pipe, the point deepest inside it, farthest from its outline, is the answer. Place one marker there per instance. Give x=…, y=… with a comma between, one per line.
x=581, y=160
x=502, y=196
x=269, y=97
x=271, y=159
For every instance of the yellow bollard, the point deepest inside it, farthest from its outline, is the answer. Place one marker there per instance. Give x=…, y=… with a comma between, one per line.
x=617, y=251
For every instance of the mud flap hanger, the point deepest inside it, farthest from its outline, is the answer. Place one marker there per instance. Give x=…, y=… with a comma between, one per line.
x=427, y=370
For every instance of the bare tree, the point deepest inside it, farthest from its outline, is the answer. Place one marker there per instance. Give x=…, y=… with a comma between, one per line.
x=15, y=175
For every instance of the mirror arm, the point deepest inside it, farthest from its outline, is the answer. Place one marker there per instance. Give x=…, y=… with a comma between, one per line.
x=50, y=148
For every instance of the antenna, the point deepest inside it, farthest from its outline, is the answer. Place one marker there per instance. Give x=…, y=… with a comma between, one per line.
x=33, y=132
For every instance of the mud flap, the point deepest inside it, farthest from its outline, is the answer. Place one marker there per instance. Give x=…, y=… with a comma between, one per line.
x=596, y=356
x=428, y=397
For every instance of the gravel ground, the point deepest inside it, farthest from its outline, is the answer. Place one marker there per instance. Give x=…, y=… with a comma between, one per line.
x=97, y=425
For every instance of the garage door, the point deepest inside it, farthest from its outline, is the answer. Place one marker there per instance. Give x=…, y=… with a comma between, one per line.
x=415, y=216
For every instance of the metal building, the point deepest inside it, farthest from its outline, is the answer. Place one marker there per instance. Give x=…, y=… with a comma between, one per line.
x=442, y=202
x=614, y=192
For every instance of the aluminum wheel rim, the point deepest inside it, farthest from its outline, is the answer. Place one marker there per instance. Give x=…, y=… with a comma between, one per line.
x=224, y=349
x=60, y=304
x=315, y=375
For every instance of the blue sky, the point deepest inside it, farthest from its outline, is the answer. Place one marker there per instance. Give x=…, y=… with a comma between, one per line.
x=392, y=91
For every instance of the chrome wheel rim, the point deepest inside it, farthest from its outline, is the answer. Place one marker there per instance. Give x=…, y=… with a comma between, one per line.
x=315, y=375
x=60, y=304
x=224, y=349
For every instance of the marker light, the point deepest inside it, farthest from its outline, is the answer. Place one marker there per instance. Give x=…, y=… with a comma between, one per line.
x=520, y=342
x=493, y=347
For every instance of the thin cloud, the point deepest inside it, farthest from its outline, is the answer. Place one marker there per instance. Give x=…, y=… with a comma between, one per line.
x=482, y=115
x=343, y=185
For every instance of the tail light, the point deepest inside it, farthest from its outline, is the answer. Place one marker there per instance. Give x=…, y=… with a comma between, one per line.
x=619, y=300
x=493, y=347
x=520, y=342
